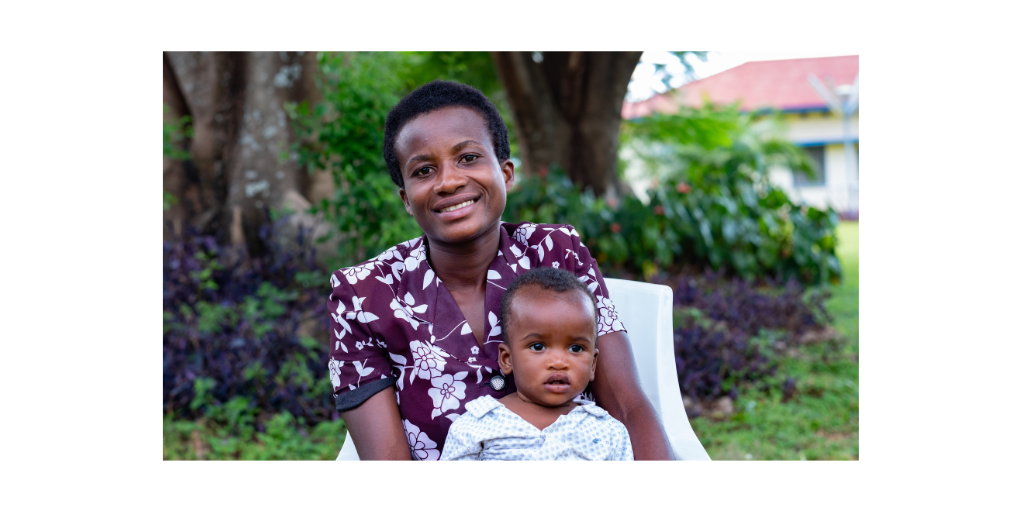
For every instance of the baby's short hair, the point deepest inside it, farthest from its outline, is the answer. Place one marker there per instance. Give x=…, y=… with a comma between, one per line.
x=548, y=278
x=435, y=96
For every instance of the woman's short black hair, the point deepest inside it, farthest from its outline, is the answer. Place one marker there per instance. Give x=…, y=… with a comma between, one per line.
x=547, y=278
x=435, y=96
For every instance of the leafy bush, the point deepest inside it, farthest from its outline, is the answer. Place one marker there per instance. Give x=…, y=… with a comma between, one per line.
x=731, y=331
x=239, y=333
x=176, y=133
x=710, y=168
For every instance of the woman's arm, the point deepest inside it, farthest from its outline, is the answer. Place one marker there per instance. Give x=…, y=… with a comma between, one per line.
x=376, y=428
x=616, y=388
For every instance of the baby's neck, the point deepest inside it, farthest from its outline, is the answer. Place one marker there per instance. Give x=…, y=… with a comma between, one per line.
x=540, y=416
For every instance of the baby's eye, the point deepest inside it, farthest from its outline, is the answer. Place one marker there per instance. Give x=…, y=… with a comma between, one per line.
x=576, y=349
x=537, y=347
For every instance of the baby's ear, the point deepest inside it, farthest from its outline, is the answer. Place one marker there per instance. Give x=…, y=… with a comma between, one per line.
x=593, y=365
x=505, y=358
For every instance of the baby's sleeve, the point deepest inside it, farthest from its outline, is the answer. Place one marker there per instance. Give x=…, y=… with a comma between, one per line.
x=623, y=449
x=460, y=444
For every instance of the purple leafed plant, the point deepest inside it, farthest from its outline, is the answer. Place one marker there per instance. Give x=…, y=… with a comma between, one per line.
x=731, y=330
x=244, y=329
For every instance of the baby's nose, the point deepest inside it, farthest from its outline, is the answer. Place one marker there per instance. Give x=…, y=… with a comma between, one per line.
x=558, y=362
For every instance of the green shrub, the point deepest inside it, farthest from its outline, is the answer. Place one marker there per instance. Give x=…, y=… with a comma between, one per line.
x=711, y=204
x=710, y=167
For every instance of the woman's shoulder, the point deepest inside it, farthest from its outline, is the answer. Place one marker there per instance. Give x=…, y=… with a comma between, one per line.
x=393, y=260
x=532, y=234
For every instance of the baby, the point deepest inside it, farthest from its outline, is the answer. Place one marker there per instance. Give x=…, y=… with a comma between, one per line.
x=549, y=333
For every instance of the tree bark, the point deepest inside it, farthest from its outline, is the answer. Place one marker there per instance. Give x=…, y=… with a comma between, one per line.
x=241, y=131
x=567, y=109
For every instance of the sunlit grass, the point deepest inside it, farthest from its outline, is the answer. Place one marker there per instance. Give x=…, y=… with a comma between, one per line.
x=821, y=421
x=284, y=439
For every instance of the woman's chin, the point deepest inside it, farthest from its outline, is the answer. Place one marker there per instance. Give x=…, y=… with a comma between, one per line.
x=461, y=231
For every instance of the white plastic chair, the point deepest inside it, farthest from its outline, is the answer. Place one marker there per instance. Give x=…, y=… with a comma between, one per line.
x=646, y=311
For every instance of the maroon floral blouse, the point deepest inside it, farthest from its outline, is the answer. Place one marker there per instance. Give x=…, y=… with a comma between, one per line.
x=394, y=323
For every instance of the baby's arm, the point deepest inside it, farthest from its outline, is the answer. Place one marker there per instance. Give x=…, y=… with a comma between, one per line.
x=460, y=445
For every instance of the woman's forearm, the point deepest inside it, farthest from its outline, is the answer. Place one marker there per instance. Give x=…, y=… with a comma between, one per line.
x=376, y=428
x=616, y=388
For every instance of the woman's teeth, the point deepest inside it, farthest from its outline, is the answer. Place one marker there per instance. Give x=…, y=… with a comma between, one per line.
x=460, y=205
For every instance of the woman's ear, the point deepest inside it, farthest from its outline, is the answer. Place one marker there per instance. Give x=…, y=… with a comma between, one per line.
x=405, y=200
x=508, y=171
x=593, y=365
x=505, y=358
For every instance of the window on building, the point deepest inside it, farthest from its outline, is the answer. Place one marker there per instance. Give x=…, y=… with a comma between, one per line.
x=817, y=154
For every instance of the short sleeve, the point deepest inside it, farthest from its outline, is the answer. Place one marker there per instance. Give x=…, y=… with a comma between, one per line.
x=359, y=365
x=624, y=449
x=585, y=268
x=460, y=444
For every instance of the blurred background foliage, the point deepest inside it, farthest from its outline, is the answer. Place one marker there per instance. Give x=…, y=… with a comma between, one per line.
x=710, y=203
x=244, y=335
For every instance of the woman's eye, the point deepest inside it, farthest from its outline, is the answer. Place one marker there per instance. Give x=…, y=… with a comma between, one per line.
x=469, y=158
x=537, y=347
x=421, y=171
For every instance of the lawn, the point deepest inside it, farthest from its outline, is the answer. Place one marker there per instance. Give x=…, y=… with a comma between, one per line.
x=821, y=420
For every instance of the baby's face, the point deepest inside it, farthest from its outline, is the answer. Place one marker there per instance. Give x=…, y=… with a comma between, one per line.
x=551, y=349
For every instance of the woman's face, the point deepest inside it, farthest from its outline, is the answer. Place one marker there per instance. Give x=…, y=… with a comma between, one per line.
x=454, y=184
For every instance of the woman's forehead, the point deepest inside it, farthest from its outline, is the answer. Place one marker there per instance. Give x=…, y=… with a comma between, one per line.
x=441, y=130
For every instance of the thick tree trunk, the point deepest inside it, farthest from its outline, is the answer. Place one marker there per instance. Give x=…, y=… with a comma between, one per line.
x=241, y=131
x=567, y=110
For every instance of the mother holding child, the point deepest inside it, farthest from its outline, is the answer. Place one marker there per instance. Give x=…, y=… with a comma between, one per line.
x=417, y=338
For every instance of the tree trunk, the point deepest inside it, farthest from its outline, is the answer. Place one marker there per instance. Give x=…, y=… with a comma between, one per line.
x=567, y=109
x=236, y=102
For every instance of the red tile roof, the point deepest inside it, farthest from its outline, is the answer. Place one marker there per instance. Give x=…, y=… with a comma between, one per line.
x=778, y=84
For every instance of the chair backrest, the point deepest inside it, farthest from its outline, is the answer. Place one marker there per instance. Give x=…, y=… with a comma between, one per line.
x=646, y=311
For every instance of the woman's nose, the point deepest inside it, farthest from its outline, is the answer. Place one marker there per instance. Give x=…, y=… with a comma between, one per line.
x=449, y=179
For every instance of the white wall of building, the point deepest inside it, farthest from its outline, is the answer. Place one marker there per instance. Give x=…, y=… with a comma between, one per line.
x=818, y=127
x=837, y=192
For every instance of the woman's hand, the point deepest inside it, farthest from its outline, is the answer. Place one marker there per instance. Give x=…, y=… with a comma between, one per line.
x=376, y=428
x=616, y=388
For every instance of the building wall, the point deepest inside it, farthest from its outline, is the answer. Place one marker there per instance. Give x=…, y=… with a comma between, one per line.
x=815, y=129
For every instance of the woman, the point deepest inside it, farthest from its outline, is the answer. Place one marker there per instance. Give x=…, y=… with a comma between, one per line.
x=415, y=330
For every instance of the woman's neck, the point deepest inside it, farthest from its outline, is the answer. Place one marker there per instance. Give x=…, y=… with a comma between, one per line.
x=464, y=265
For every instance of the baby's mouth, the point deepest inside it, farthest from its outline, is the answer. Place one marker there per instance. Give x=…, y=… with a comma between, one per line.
x=557, y=383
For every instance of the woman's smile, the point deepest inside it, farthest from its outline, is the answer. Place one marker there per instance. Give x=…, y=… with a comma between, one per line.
x=455, y=208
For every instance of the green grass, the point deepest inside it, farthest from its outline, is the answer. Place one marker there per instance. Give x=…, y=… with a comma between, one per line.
x=821, y=421
x=284, y=439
